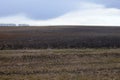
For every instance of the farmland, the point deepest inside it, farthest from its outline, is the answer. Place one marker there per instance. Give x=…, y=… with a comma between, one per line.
x=60, y=64
x=60, y=53
x=59, y=37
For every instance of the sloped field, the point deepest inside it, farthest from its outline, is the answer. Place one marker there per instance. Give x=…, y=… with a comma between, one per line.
x=59, y=37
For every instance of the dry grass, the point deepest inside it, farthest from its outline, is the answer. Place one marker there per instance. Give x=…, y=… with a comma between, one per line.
x=60, y=64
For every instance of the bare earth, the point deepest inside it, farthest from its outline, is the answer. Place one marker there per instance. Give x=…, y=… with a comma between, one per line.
x=59, y=37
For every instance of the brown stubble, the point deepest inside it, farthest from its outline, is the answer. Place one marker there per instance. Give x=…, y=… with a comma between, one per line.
x=60, y=64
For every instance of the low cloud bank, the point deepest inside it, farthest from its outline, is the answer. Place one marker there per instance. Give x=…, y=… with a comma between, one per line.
x=85, y=14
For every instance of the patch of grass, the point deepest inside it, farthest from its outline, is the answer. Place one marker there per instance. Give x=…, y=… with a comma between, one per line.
x=60, y=64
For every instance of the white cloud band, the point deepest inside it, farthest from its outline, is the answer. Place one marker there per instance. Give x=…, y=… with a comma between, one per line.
x=86, y=14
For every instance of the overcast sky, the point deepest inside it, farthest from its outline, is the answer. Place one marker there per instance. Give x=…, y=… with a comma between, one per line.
x=60, y=12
